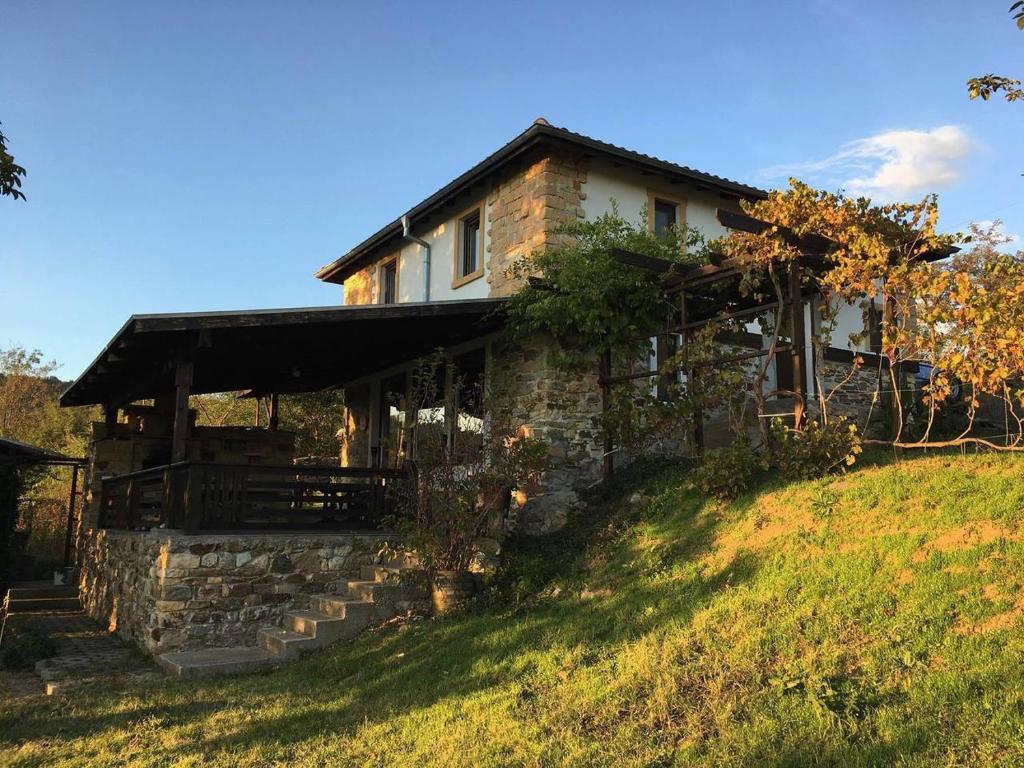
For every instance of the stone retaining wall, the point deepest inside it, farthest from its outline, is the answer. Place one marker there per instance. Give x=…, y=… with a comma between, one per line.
x=166, y=591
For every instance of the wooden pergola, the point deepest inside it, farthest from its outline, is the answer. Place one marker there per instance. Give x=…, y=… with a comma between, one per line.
x=690, y=288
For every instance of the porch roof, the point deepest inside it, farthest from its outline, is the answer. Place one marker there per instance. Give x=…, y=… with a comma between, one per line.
x=273, y=350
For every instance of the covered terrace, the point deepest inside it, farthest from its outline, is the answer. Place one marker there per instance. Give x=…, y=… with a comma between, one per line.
x=152, y=467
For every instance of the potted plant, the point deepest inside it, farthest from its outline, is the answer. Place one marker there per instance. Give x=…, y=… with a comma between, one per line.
x=463, y=472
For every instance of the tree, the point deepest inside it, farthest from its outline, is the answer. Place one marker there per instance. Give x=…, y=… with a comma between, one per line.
x=10, y=172
x=34, y=498
x=987, y=85
x=604, y=315
x=28, y=408
x=314, y=417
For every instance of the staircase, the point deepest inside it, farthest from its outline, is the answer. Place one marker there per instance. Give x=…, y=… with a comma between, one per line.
x=41, y=597
x=377, y=596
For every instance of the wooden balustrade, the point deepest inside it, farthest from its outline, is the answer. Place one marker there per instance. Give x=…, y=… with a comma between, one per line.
x=199, y=496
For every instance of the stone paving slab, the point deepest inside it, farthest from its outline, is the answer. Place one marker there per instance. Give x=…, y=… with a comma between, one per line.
x=85, y=651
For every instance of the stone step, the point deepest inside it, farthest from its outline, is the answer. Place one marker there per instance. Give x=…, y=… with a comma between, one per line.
x=215, y=661
x=35, y=593
x=360, y=612
x=381, y=573
x=376, y=591
x=38, y=604
x=286, y=644
x=321, y=626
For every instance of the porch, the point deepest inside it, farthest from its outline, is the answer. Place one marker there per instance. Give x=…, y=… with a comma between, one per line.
x=153, y=467
x=208, y=497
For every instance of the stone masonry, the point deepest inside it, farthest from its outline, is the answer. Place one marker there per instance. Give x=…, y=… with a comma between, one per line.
x=561, y=408
x=525, y=209
x=359, y=286
x=166, y=591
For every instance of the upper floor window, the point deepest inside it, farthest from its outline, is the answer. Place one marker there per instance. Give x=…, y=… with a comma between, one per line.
x=664, y=212
x=389, y=283
x=469, y=246
x=664, y=216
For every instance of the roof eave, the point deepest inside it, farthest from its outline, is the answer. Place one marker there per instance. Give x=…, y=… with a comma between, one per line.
x=338, y=270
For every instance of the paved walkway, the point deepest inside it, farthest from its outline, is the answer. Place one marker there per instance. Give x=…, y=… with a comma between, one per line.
x=85, y=652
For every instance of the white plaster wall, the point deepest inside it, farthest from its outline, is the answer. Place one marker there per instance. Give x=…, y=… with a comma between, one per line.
x=628, y=189
x=849, y=319
x=442, y=265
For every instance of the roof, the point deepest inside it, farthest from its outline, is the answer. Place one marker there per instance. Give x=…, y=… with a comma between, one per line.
x=15, y=451
x=539, y=134
x=274, y=350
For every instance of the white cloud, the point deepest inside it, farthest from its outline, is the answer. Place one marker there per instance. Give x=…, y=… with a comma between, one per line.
x=892, y=165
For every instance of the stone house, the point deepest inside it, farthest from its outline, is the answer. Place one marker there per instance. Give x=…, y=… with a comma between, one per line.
x=207, y=536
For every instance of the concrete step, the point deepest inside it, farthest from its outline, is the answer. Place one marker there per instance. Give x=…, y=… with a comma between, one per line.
x=381, y=573
x=35, y=593
x=215, y=661
x=35, y=605
x=375, y=590
x=321, y=626
x=341, y=607
x=286, y=644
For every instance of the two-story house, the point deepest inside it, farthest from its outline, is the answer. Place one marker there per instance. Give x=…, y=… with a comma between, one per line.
x=161, y=491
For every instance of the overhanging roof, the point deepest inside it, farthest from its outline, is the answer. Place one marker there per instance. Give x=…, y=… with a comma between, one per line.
x=16, y=452
x=539, y=134
x=274, y=350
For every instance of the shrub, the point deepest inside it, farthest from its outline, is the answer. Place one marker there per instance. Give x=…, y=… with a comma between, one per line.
x=815, y=451
x=24, y=645
x=725, y=473
x=460, y=492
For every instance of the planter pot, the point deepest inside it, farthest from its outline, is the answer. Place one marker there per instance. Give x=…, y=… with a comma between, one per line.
x=451, y=589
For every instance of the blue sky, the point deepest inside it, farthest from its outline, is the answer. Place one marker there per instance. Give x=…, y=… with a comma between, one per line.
x=190, y=156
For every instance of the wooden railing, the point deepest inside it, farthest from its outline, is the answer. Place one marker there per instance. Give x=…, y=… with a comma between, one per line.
x=198, y=496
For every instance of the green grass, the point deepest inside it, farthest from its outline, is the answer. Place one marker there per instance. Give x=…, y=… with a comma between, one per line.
x=866, y=620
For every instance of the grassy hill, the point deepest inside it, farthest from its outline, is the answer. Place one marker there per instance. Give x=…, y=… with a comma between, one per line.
x=871, y=619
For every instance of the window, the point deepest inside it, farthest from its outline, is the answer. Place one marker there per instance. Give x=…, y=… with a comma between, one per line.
x=389, y=283
x=664, y=216
x=469, y=263
x=664, y=211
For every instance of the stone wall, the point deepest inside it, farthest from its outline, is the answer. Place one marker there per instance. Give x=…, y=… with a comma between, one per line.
x=166, y=591
x=560, y=408
x=851, y=394
x=525, y=209
x=359, y=286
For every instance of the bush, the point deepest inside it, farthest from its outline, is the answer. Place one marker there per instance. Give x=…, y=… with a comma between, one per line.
x=725, y=473
x=814, y=451
x=24, y=645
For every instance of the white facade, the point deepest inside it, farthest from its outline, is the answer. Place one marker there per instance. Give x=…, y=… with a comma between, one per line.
x=630, y=192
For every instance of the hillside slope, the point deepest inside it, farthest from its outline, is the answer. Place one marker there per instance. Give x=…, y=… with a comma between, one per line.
x=871, y=619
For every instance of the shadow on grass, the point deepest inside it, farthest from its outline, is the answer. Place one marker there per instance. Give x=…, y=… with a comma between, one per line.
x=501, y=640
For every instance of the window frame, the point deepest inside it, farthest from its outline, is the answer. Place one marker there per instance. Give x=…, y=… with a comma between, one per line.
x=654, y=196
x=458, y=280
x=381, y=268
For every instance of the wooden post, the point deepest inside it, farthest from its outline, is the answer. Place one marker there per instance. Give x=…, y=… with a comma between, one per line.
x=192, y=499
x=798, y=345
x=182, y=385
x=691, y=377
x=273, y=412
x=71, y=515
x=605, y=373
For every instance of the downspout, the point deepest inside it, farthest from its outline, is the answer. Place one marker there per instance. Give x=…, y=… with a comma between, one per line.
x=408, y=235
